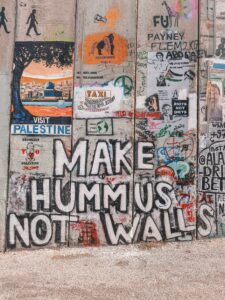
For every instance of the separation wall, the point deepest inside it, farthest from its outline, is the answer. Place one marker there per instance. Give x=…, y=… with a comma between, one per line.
x=104, y=140
x=211, y=119
x=6, y=64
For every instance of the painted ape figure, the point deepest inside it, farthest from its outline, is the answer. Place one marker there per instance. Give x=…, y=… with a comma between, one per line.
x=107, y=43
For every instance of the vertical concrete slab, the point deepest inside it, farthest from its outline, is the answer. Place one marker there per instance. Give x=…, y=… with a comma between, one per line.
x=42, y=104
x=166, y=118
x=212, y=130
x=6, y=64
x=103, y=118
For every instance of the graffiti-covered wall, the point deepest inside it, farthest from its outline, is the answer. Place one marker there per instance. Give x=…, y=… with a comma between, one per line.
x=212, y=122
x=166, y=117
x=101, y=106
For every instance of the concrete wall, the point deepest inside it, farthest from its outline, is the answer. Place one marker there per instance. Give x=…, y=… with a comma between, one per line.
x=6, y=65
x=211, y=122
x=104, y=134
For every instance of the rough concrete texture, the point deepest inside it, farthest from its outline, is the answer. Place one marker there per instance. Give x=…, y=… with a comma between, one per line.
x=157, y=271
x=132, y=117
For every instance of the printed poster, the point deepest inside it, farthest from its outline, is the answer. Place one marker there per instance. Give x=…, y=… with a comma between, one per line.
x=42, y=89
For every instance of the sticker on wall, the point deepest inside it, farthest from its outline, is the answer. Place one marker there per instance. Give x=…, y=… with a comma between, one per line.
x=42, y=88
x=102, y=127
x=30, y=153
x=215, y=102
x=167, y=73
x=104, y=47
x=92, y=102
x=169, y=79
x=180, y=107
